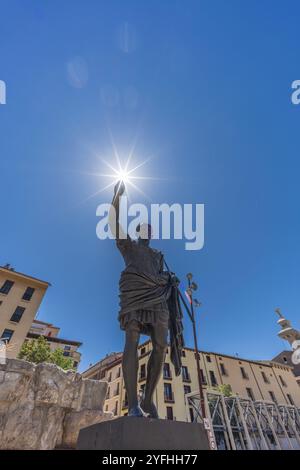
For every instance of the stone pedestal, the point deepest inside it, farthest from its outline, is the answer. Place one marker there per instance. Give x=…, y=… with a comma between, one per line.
x=128, y=433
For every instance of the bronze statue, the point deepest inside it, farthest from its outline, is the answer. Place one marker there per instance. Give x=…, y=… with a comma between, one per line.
x=149, y=304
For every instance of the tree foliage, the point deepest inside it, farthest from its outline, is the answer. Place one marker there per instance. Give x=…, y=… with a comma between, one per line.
x=225, y=389
x=38, y=350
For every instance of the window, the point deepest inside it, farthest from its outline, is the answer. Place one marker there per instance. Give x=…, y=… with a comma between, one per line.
x=244, y=373
x=117, y=390
x=75, y=364
x=102, y=374
x=125, y=401
x=116, y=408
x=17, y=315
x=143, y=351
x=250, y=393
x=284, y=359
x=185, y=374
x=167, y=371
x=0, y=302
x=170, y=413
x=7, y=334
x=108, y=393
x=143, y=372
x=142, y=391
x=119, y=373
x=168, y=394
x=203, y=378
x=187, y=389
x=67, y=348
x=28, y=293
x=266, y=380
x=290, y=399
x=66, y=353
x=272, y=395
x=6, y=287
x=109, y=377
x=223, y=370
x=213, y=379
x=191, y=415
x=208, y=358
x=183, y=353
x=283, y=383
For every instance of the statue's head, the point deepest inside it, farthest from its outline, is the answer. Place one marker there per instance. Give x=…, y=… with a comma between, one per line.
x=144, y=233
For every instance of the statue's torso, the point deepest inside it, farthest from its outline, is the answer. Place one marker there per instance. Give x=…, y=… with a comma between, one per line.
x=140, y=258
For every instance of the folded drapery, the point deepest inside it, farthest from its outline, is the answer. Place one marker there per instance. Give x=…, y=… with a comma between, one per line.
x=154, y=293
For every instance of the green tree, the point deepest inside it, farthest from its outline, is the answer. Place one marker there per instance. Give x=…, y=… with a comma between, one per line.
x=225, y=389
x=38, y=350
x=57, y=357
x=35, y=350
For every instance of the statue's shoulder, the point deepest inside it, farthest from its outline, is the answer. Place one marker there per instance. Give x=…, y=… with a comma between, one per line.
x=157, y=252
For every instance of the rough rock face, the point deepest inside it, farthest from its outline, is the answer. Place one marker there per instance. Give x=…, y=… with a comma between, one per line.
x=43, y=407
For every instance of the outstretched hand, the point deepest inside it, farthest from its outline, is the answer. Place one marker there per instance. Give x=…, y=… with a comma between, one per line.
x=119, y=188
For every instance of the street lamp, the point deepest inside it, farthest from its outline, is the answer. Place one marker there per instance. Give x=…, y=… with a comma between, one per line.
x=192, y=287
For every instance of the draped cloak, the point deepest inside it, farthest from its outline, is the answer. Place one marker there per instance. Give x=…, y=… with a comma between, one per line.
x=146, y=291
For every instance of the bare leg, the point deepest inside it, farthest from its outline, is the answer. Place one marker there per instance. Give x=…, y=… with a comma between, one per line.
x=159, y=344
x=130, y=364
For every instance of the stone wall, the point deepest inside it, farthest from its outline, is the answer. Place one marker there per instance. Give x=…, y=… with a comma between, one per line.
x=43, y=407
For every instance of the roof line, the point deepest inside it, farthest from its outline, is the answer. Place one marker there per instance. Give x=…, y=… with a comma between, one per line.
x=24, y=275
x=266, y=362
x=55, y=339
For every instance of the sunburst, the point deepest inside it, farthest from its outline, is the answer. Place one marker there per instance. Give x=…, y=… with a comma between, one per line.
x=120, y=171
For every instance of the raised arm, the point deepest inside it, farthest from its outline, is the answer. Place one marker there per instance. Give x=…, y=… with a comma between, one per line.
x=114, y=212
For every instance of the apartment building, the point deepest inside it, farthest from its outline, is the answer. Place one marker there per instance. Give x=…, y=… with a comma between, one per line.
x=258, y=380
x=20, y=298
x=50, y=333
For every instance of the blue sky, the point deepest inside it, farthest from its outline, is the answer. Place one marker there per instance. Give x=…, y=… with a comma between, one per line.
x=203, y=88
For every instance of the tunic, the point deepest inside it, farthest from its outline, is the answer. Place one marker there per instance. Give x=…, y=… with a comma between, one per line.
x=144, y=286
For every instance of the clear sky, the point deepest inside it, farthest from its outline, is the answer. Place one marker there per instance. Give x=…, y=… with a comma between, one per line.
x=201, y=87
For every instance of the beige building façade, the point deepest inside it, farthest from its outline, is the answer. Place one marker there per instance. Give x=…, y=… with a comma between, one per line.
x=259, y=380
x=20, y=298
x=50, y=333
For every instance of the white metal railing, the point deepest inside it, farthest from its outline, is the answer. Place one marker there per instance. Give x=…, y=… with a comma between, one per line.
x=242, y=424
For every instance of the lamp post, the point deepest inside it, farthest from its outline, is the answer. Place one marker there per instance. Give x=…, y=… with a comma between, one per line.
x=192, y=287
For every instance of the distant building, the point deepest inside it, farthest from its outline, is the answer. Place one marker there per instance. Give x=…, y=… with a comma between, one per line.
x=291, y=335
x=257, y=380
x=20, y=298
x=50, y=332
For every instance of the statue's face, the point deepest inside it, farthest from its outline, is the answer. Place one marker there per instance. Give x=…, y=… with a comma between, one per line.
x=144, y=232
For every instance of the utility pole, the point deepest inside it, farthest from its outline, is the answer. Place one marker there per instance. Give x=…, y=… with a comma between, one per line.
x=192, y=286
